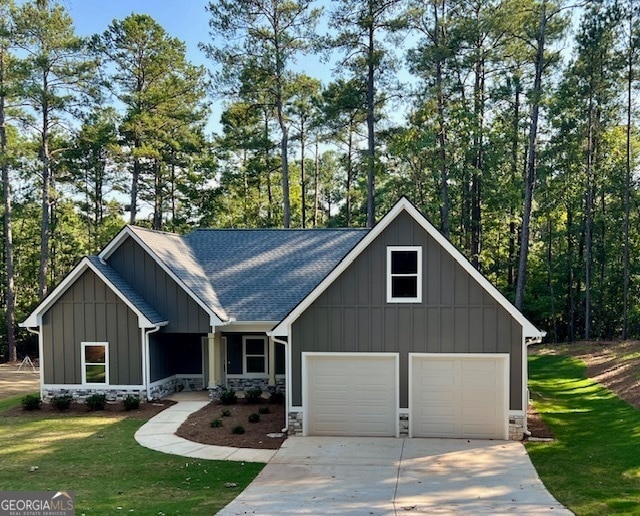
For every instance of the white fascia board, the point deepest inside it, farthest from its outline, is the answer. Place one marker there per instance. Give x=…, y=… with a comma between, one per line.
x=529, y=330
x=214, y=319
x=35, y=318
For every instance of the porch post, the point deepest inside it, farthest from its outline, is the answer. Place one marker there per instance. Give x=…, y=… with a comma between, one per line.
x=272, y=361
x=214, y=378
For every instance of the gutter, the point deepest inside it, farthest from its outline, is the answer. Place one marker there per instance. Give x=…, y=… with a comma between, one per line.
x=147, y=365
x=286, y=412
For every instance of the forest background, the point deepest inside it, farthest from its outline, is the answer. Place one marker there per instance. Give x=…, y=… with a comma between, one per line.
x=511, y=124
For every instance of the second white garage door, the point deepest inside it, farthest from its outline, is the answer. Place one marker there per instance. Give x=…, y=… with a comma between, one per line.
x=458, y=396
x=350, y=394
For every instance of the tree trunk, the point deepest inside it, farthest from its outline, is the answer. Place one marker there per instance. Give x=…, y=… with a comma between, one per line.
x=371, y=138
x=303, y=186
x=627, y=184
x=530, y=177
x=515, y=144
x=316, y=185
x=445, y=225
x=46, y=205
x=8, y=235
x=588, y=226
x=349, y=176
x=135, y=177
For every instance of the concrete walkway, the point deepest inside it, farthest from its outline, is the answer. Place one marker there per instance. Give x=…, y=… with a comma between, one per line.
x=375, y=476
x=159, y=434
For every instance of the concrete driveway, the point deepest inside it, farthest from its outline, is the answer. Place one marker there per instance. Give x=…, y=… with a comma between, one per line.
x=370, y=476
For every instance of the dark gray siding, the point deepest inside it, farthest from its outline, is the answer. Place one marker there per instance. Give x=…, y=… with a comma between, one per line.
x=90, y=312
x=142, y=272
x=456, y=315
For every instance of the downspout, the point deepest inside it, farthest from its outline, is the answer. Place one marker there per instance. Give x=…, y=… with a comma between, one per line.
x=286, y=412
x=528, y=341
x=40, y=351
x=147, y=362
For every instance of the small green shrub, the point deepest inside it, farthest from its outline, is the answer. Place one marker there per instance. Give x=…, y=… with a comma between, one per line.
x=253, y=395
x=264, y=410
x=228, y=397
x=238, y=429
x=131, y=402
x=277, y=398
x=226, y=413
x=96, y=401
x=216, y=423
x=254, y=418
x=31, y=402
x=62, y=402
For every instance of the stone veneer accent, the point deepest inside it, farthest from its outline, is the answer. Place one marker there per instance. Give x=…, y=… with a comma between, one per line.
x=244, y=384
x=176, y=384
x=516, y=428
x=295, y=423
x=80, y=394
x=516, y=425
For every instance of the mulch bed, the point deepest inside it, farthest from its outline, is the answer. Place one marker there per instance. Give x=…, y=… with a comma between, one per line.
x=535, y=425
x=198, y=428
x=111, y=409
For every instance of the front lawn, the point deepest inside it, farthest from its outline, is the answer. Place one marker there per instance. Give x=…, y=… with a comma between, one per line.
x=98, y=458
x=593, y=467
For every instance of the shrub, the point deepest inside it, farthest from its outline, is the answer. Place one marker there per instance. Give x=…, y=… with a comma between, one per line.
x=254, y=418
x=62, y=402
x=215, y=423
x=238, y=429
x=253, y=395
x=226, y=413
x=96, y=401
x=277, y=398
x=31, y=402
x=264, y=410
x=131, y=402
x=228, y=397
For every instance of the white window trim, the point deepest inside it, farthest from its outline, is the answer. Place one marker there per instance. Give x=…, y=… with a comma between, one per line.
x=245, y=374
x=84, y=363
x=418, y=250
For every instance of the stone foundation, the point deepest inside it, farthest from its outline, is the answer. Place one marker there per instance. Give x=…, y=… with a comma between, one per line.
x=81, y=394
x=245, y=384
x=516, y=425
x=166, y=387
x=516, y=428
x=295, y=423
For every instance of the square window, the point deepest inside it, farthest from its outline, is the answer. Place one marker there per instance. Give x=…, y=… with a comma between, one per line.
x=404, y=274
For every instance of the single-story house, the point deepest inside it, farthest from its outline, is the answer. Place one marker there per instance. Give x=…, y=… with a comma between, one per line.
x=381, y=332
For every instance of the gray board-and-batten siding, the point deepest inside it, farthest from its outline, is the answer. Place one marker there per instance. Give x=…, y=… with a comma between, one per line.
x=156, y=286
x=89, y=311
x=456, y=314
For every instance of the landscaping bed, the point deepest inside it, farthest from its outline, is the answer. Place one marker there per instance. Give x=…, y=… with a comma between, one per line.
x=112, y=408
x=198, y=427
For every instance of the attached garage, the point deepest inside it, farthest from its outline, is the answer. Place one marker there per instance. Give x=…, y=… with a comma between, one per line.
x=351, y=394
x=459, y=395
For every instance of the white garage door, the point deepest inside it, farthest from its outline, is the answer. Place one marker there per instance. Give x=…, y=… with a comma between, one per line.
x=351, y=394
x=459, y=396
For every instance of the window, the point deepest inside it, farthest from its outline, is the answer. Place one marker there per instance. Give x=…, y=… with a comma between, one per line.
x=95, y=363
x=404, y=274
x=255, y=354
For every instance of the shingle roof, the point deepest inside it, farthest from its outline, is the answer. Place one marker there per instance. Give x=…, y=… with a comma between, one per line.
x=173, y=251
x=127, y=291
x=262, y=274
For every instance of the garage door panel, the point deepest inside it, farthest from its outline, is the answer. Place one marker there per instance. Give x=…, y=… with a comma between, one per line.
x=458, y=397
x=351, y=395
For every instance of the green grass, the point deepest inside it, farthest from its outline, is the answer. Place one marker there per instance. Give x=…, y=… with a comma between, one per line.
x=98, y=458
x=14, y=401
x=593, y=467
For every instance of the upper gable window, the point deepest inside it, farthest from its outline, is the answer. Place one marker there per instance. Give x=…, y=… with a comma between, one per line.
x=404, y=274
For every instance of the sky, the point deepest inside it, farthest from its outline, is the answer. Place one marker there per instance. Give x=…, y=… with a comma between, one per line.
x=186, y=20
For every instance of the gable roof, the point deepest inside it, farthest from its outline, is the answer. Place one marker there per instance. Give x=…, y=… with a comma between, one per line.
x=261, y=274
x=176, y=258
x=148, y=317
x=282, y=329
